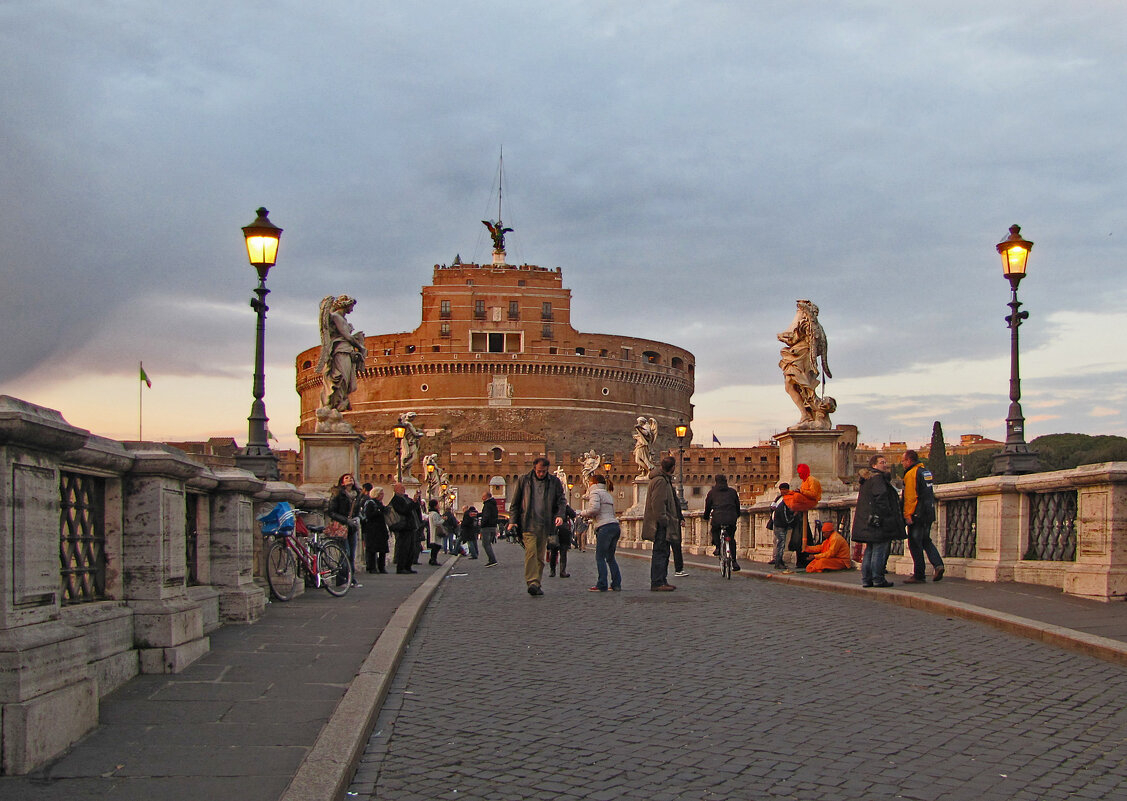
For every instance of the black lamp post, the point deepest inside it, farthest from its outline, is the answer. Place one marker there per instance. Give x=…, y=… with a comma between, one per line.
x=682, y=431
x=1016, y=457
x=262, y=238
x=399, y=432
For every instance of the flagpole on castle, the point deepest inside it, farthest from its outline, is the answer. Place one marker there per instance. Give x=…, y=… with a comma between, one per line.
x=140, y=401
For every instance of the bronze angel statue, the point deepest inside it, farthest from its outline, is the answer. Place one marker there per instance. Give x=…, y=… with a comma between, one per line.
x=497, y=231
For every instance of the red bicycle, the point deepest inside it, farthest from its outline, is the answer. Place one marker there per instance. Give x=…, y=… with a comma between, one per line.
x=291, y=558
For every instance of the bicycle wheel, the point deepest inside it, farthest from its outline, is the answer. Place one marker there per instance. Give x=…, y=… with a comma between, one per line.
x=336, y=570
x=281, y=571
x=725, y=559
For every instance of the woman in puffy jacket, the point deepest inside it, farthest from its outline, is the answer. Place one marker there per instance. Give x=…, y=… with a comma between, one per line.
x=600, y=511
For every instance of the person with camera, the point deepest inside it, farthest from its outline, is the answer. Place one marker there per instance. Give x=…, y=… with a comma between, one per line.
x=877, y=522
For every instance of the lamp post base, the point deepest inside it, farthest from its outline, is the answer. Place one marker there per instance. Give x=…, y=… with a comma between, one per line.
x=261, y=461
x=1018, y=461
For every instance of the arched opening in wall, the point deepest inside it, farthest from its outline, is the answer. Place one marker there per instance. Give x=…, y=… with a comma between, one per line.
x=678, y=363
x=580, y=351
x=497, y=454
x=653, y=357
x=305, y=365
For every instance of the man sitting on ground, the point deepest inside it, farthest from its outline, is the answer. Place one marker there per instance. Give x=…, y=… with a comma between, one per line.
x=832, y=554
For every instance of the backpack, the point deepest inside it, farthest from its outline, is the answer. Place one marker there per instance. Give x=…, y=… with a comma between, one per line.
x=925, y=494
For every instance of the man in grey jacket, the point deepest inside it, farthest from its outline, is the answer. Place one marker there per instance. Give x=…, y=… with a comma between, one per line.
x=536, y=511
x=661, y=523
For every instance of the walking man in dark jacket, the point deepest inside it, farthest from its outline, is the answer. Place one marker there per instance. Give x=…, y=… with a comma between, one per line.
x=488, y=522
x=537, y=510
x=406, y=530
x=661, y=523
x=877, y=522
x=722, y=507
x=918, y=506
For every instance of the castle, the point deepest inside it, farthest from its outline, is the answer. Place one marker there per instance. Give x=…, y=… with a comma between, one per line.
x=497, y=375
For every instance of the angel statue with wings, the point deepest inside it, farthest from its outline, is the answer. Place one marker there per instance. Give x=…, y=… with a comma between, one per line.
x=342, y=355
x=497, y=231
x=804, y=348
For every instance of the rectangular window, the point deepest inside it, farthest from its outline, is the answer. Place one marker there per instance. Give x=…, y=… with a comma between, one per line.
x=514, y=309
x=546, y=310
x=546, y=332
x=496, y=342
x=444, y=330
x=444, y=308
x=479, y=309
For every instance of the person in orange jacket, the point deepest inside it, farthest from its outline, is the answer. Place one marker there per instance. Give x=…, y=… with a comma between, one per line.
x=832, y=554
x=808, y=494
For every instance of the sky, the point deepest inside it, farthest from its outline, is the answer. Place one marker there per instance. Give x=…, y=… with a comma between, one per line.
x=708, y=162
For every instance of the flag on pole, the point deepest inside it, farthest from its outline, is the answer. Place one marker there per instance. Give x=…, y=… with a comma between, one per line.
x=145, y=377
x=270, y=435
x=714, y=438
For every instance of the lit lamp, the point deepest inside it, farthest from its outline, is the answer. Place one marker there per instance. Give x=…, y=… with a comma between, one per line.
x=1016, y=457
x=682, y=431
x=399, y=432
x=262, y=238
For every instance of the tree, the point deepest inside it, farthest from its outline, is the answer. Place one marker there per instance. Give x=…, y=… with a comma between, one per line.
x=937, y=456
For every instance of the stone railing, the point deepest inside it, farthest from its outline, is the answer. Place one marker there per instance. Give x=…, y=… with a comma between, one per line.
x=116, y=558
x=1065, y=529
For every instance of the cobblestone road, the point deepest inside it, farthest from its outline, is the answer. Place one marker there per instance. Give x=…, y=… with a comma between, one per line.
x=731, y=690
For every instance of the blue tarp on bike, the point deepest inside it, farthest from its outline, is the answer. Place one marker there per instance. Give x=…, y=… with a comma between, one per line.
x=279, y=520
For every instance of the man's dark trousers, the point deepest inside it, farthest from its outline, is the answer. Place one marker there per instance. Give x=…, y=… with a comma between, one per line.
x=919, y=544
x=659, y=564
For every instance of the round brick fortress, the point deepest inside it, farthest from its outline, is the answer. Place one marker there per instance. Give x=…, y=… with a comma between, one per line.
x=496, y=374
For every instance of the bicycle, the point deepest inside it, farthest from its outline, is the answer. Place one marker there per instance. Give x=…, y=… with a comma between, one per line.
x=726, y=552
x=289, y=559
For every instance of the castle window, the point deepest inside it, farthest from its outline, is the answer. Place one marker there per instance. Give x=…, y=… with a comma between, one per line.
x=546, y=332
x=546, y=310
x=580, y=352
x=678, y=363
x=606, y=391
x=497, y=454
x=496, y=342
x=444, y=309
x=306, y=365
x=436, y=348
x=651, y=357
x=444, y=330
x=603, y=352
x=423, y=388
x=627, y=353
x=553, y=351
x=514, y=309
x=410, y=349
x=479, y=309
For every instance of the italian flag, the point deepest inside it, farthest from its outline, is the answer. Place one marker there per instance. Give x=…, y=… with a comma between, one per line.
x=145, y=377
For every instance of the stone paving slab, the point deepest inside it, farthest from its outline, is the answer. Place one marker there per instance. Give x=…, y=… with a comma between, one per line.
x=732, y=689
x=240, y=721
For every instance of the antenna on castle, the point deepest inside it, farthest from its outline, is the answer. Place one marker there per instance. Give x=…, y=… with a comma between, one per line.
x=500, y=182
x=497, y=230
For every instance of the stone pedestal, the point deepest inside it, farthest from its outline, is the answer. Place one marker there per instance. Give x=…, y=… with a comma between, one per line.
x=822, y=451
x=233, y=531
x=168, y=624
x=326, y=457
x=641, y=487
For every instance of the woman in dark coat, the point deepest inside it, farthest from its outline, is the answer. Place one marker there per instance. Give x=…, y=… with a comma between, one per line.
x=877, y=522
x=374, y=528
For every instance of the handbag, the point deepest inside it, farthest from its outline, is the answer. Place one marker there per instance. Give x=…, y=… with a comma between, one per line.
x=554, y=541
x=393, y=519
x=335, y=528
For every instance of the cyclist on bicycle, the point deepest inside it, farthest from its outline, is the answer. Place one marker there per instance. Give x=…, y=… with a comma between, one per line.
x=722, y=507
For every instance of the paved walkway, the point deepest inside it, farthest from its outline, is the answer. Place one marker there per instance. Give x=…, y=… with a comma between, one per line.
x=732, y=690
x=713, y=691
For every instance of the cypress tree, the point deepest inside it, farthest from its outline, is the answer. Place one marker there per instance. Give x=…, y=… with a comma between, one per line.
x=937, y=456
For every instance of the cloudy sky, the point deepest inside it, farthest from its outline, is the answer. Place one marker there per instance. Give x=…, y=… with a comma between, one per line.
x=710, y=162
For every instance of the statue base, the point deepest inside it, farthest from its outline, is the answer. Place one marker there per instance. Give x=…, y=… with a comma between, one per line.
x=828, y=453
x=498, y=258
x=326, y=457
x=641, y=492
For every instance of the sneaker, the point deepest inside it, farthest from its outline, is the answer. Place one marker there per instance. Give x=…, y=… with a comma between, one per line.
x=663, y=588
x=735, y=568
x=779, y=565
x=357, y=584
x=534, y=589
x=596, y=589
x=565, y=575
x=491, y=564
x=552, y=574
x=680, y=574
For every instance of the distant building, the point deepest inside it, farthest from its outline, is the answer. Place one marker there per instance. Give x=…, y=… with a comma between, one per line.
x=497, y=375
x=218, y=453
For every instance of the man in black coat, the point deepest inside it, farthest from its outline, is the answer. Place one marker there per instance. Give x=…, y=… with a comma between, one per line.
x=537, y=510
x=722, y=507
x=406, y=530
x=877, y=521
x=488, y=520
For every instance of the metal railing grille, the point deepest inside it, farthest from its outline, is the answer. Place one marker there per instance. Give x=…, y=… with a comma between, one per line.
x=82, y=538
x=191, y=541
x=960, y=533
x=1052, y=526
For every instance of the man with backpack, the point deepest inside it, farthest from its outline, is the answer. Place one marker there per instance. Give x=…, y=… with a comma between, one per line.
x=918, y=506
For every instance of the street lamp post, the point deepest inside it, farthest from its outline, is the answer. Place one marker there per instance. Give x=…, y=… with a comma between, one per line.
x=1016, y=457
x=262, y=238
x=430, y=481
x=399, y=432
x=682, y=430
